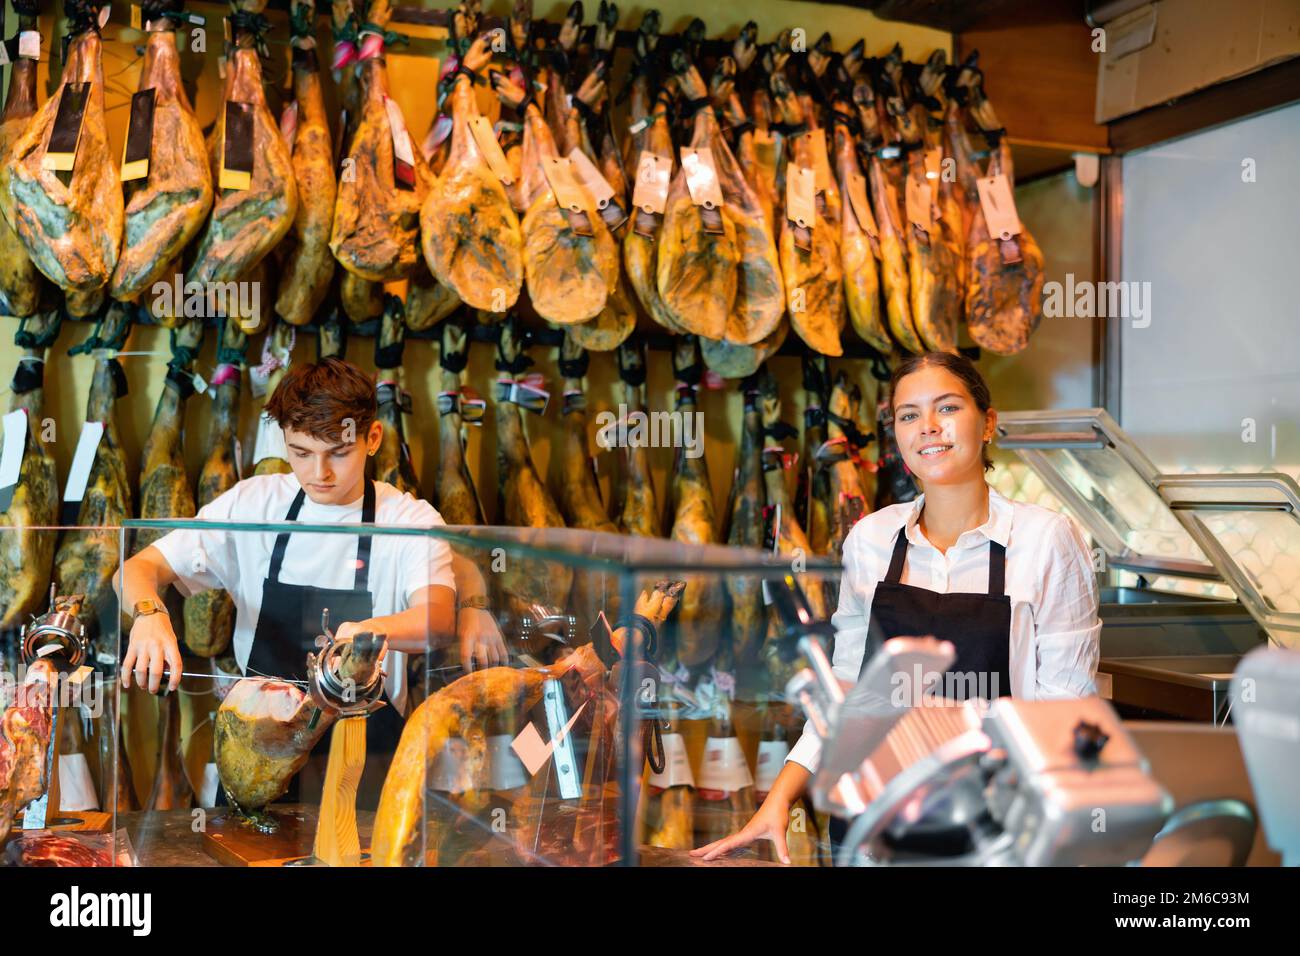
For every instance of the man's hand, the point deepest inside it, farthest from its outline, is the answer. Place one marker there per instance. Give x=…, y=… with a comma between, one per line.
x=152, y=647
x=480, y=639
x=350, y=629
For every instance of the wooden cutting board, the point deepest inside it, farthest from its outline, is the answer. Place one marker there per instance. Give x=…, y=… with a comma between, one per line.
x=232, y=842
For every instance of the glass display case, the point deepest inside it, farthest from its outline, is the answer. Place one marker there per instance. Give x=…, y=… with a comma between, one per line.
x=1165, y=652
x=589, y=699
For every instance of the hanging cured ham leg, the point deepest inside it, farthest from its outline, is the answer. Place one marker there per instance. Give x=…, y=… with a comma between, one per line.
x=859, y=239
x=849, y=498
x=745, y=530
x=470, y=704
x=457, y=499
x=639, y=513
x=570, y=258
x=1004, y=293
x=308, y=264
x=470, y=235
x=702, y=609
x=248, y=222
x=377, y=211
x=66, y=206
x=26, y=551
x=393, y=459
x=166, y=208
x=20, y=280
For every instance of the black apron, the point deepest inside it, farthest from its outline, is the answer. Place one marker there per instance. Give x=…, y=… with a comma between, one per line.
x=978, y=625
x=286, y=633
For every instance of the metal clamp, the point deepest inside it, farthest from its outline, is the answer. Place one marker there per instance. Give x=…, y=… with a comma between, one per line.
x=57, y=634
x=335, y=696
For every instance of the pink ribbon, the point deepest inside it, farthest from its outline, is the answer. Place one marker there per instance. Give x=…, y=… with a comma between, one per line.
x=372, y=45
x=224, y=374
x=345, y=54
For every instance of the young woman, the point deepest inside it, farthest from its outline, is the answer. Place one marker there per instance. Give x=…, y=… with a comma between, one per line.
x=1011, y=585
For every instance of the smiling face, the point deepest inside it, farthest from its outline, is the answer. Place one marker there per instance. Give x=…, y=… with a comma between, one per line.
x=939, y=428
x=331, y=472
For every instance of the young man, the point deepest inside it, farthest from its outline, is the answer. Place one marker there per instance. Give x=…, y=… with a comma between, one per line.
x=401, y=586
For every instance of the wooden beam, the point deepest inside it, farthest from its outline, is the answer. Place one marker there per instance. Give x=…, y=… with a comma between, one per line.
x=1041, y=73
x=1256, y=92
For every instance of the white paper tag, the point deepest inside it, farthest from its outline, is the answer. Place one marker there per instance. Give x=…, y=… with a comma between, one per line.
x=771, y=757
x=999, y=206
x=532, y=750
x=208, y=786
x=801, y=196
x=104, y=14
x=257, y=380
x=76, y=786
x=289, y=124
x=480, y=127
x=591, y=179
x=29, y=44
x=270, y=440
x=506, y=770
x=677, y=766
x=702, y=177
x=568, y=193
x=401, y=138
x=450, y=770
x=15, y=441
x=200, y=385
x=82, y=461
x=724, y=769
x=653, y=174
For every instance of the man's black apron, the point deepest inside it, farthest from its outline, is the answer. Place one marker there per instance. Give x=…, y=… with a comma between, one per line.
x=286, y=633
x=978, y=625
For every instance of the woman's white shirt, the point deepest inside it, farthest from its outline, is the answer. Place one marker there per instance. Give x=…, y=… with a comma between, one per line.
x=1055, y=631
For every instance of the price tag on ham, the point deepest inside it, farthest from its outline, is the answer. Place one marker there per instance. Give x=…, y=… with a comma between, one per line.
x=999, y=206
x=11, y=458
x=480, y=128
x=771, y=758
x=801, y=196
x=83, y=459
x=29, y=44
x=702, y=177
x=653, y=173
x=61, y=149
x=590, y=177
x=237, y=147
x=917, y=199
x=569, y=196
x=724, y=770
x=856, y=186
x=403, y=152
x=139, y=136
x=821, y=164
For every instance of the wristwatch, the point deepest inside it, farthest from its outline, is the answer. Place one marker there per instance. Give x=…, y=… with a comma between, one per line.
x=479, y=601
x=145, y=608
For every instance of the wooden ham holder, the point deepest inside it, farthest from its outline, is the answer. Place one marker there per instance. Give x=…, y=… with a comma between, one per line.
x=345, y=680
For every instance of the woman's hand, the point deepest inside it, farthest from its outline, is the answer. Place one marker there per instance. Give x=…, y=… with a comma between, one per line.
x=769, y=823
x=480, y=639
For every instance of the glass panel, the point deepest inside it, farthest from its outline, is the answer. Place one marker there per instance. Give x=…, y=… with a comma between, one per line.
x=1125, y=501
x=1263, y=548
x=277, y=745
x=55, y=698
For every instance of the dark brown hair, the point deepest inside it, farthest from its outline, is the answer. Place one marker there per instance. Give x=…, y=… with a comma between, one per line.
x=960, y=366
x=319, y=397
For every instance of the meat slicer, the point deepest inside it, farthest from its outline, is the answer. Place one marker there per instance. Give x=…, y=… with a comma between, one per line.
x=921, y=780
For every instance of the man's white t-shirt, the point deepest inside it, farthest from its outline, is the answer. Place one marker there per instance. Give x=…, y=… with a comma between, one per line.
x=239, y=561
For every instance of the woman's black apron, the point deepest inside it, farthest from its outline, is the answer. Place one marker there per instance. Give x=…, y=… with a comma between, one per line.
x=286, y=633
x=978, y=625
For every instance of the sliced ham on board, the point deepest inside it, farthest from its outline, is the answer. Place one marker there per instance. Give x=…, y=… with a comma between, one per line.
x=308, y=263
x=71, y=225
x=168, y=201
x=247, y=222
